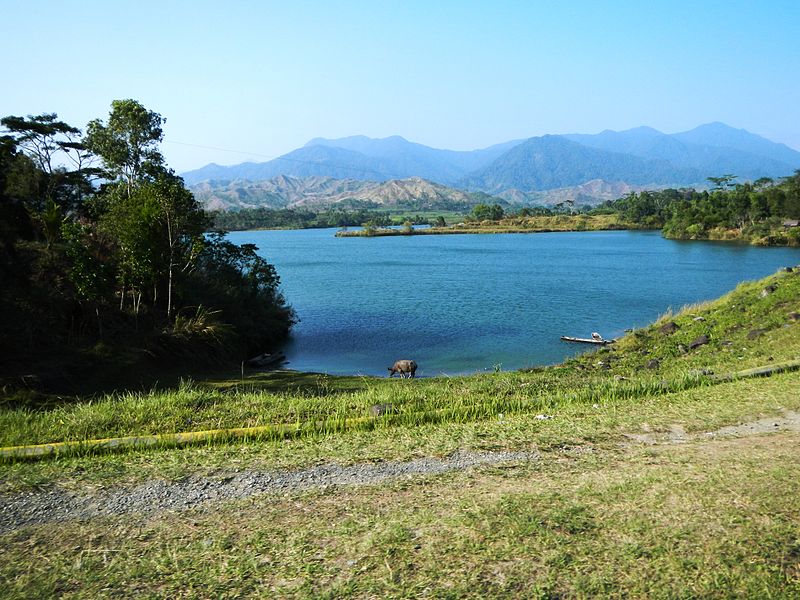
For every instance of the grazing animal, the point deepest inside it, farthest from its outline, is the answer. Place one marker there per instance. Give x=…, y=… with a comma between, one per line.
x=406, y=368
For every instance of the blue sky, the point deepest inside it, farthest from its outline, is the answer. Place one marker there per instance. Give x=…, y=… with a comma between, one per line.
x=251, y=80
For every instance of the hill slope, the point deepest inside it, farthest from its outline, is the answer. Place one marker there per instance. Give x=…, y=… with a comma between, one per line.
x=324, y=192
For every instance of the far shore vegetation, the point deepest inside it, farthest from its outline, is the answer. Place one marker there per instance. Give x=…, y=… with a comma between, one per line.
x=514, y=224
x=291, y=218
x=764, y=212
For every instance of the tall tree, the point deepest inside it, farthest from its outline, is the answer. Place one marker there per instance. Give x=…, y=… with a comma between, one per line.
x=183, y=222
x=128, y=143
x=157, y=223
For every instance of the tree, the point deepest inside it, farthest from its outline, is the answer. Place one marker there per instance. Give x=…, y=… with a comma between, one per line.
x=763, y=182
x=183, y=221
x=15, y=220
x=245, y=287
x=723, y=182
x=139, y=237
x=484, y=212
x=158, y=231
x=791, y=204
x=51, y=143
x=41, y=137
x=129, y=221
x=157, y=223
x=128, y=144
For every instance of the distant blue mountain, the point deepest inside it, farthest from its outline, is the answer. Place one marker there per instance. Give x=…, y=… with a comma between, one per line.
x=720, y=135
x=640, y=156
x=551, y=161
x=360, y=157
x=713, y=149
x=396, y=147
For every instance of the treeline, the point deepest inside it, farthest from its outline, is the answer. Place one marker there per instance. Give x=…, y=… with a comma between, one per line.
x=103, y=248
x=288, y=218
x=760, y=212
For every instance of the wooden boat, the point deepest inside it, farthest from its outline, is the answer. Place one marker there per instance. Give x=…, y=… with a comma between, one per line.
x=599, y=342
x=266, y=360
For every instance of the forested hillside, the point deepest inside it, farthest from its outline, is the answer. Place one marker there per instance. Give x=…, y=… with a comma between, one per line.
x=762, y=212
x=103, y=253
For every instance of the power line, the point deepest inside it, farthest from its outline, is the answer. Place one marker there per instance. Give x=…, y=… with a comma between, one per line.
x=295, y=160
x=220, y=149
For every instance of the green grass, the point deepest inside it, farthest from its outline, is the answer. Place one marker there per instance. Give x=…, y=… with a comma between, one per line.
x=574, y=424
x=714, y=520
x=745, y=329
x=198, y=408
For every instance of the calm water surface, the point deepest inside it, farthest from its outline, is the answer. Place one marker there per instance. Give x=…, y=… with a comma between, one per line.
x=465, y=303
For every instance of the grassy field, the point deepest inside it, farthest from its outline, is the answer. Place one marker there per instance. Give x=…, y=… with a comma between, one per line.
x=711, y=520
x=614, y=505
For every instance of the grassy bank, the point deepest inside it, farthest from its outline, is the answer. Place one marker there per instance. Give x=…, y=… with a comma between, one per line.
x=762, y=234
x=628, y=495
x=539, y=224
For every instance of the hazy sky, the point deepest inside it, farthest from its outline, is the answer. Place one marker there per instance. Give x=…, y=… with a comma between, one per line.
x=253, y=80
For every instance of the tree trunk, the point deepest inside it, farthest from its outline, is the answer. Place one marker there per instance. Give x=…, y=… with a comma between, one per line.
x=169, y=291
x=171, y=266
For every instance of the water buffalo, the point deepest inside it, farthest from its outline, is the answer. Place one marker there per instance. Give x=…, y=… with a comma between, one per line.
x=406, y=368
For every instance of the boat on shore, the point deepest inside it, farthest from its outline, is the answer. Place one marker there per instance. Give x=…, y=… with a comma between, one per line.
x=266, y=360
x=599, y=342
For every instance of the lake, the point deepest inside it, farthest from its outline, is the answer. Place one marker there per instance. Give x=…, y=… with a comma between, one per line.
x=466, y=303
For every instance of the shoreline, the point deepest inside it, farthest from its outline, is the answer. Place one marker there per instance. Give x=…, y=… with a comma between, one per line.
x=554, y=224
x=463, y=231
x=454, y=230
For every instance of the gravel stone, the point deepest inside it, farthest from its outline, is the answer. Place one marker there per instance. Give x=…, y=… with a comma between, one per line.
x=33, y=508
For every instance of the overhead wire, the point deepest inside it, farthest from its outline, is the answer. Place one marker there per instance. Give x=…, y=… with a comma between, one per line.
x=283, y=157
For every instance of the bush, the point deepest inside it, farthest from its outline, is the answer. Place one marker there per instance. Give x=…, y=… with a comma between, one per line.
x=243, y=290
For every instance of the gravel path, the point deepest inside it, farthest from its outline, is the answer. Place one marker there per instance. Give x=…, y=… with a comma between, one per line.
x=31, y=508
x=155, y=496
x=789, y=421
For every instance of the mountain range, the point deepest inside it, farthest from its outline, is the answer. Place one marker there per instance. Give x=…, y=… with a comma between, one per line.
x=315, y=193
x=637, y=158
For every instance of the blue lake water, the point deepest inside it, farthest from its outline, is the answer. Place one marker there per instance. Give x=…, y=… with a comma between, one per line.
x=466, y=303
